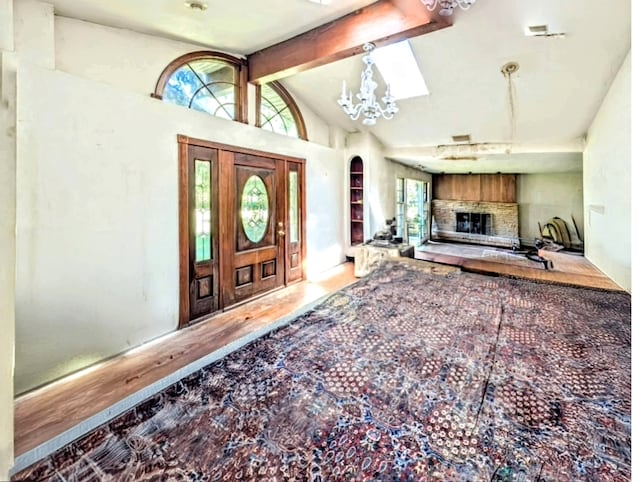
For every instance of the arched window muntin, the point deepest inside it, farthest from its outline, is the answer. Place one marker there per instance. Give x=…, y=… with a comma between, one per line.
x=236, y=110
x=277, y=115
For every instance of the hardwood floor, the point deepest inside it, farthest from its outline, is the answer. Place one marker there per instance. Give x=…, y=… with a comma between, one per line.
x=568, y=269
x=49, y=411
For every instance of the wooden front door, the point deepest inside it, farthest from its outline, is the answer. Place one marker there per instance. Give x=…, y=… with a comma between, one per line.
x=253, y=225
x=202, y=172
x=242, y=225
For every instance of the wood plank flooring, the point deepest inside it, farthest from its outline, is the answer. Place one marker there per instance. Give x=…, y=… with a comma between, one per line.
x=568, y=269
x=49, y=411
x=55, y=408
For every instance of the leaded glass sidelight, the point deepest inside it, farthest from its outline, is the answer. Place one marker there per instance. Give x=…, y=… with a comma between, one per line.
x=203, y=210
x=294, y=224
x=254, y=209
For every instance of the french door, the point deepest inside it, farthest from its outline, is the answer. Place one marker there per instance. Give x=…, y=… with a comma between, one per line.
x=413, y=210
x=241, y=225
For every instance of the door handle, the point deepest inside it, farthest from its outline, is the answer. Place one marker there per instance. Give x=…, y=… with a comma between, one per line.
x=281, y=231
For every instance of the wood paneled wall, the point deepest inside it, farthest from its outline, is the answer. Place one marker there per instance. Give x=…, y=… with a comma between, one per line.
x=475, y=187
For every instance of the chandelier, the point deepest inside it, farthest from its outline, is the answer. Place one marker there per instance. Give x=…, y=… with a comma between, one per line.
x=368, y=105
x=447, y=6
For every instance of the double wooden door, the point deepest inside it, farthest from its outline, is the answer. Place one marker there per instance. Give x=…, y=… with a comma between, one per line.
x=241, y=225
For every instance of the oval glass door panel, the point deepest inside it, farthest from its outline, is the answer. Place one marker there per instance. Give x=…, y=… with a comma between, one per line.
x=254, y=209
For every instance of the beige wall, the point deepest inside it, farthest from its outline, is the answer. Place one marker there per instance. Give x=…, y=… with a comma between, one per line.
x=97, y=262
x=7, y=234
x=540, y=197
x=97, y=215
x=133, y=61
x=380, y=180
x=7, y=254
x=607, y=182
x=33, y=30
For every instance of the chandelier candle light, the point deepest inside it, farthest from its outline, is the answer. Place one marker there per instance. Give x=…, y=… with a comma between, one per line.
x=368, y=105
x=447, y=6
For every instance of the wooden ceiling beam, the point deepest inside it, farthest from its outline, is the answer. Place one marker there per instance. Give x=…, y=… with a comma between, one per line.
x=383, y=22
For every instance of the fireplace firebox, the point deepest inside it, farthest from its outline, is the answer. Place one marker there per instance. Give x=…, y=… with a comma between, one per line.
x=473, y=223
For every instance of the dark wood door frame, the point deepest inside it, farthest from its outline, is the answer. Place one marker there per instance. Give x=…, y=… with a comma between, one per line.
x=225, y=165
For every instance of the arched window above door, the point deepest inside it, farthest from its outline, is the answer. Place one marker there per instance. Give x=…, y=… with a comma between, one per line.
x=210, y=82
x=278, y=111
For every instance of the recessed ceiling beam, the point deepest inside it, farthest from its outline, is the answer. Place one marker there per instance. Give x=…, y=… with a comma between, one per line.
x=383, y=22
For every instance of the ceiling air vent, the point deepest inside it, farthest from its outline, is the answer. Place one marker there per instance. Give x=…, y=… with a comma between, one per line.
x=459, y=158
x=542, y=31
x=538, y=29
x=196, y=5
x=461, y=138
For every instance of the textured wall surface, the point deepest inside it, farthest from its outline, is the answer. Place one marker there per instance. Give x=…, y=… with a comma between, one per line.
x=504, y=221
x=608, y=183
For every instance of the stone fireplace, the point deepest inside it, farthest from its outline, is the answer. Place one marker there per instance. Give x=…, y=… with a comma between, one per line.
x=490, y=223
x=473, y=223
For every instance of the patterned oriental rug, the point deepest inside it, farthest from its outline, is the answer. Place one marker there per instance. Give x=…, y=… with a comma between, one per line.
x=404, y=376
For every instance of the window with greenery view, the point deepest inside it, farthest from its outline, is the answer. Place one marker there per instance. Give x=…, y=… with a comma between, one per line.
x=203, y=81
x=279, y=113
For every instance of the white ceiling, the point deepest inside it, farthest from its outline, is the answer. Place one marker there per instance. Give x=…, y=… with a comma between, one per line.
x=239, y=27
x=558, y=88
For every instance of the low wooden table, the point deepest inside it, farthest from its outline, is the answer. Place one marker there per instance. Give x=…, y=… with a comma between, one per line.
x=367, y=256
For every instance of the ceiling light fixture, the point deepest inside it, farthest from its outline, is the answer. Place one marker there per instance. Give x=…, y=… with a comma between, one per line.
x=196, y=6
x=368, y=105
x=447, y=6
x=508, y=70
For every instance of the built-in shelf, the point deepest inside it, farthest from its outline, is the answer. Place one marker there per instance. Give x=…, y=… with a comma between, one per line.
x=356, y=186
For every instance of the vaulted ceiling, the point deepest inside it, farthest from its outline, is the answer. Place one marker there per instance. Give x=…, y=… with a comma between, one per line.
x=557, y=89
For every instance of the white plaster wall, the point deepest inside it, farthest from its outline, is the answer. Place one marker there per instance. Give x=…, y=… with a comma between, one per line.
x=540, y=197
x=318, y=130
x=97, y=258
x=133, y=61
x=129, y=60
x=34, y=37
x=6, y=25
x=7, y=234
x=380, y=180
x=7, y=246
x=607, y=182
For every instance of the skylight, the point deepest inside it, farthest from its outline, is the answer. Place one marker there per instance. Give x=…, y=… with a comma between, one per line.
x=399, y=68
